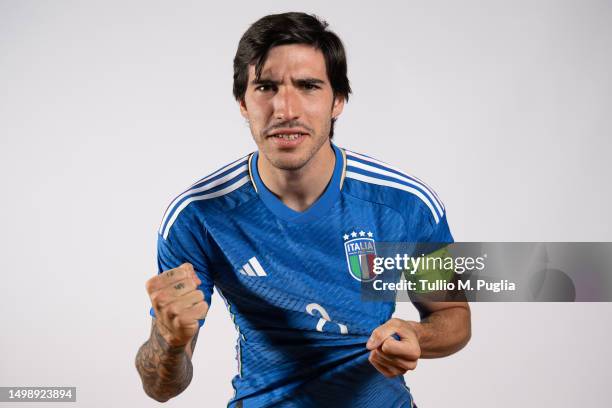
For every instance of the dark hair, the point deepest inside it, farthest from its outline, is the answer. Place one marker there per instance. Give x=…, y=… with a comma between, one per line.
x=290, y=28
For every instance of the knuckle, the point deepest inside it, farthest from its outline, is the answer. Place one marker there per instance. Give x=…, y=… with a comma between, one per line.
x=409, y=365
x=405, y=366
x=179, y=286
x=376, y=334
x=185, y=323
x=200, y=308
x=204, y=310
x=172, y=310
x=168, y=273
x=180, y=273
x=175, y=323
x=191, y=284
x=187, y=267
x=180, y=321
x=194, y=296
x=371, y=358
x=150, y=285
x=174, y=274
x=158, y=299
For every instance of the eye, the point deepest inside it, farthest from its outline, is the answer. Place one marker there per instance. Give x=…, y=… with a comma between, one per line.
x=264, y=88
x=310, y=86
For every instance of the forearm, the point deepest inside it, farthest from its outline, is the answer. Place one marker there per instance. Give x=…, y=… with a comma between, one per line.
x=443, y=332
x=165, y=370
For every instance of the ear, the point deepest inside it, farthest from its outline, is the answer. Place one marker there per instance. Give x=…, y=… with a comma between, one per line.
x=243, y=109
x=337, y=107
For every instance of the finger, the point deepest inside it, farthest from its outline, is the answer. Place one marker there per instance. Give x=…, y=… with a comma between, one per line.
x=408, y=348
x=180, y=304
x=381, y=358
x=163, y=297
x=401, y=364
x=183, y=325
x=381, y=333
x=194, y=313
x=181, y=287
x=184, y=331
x=380, y=366
x=186, y=324
x=383, y=368
x=171, y=276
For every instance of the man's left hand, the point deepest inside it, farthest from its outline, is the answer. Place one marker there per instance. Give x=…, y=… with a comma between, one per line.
x=390, y=356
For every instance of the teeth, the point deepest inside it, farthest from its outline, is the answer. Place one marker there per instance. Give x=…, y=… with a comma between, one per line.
x=288, y=137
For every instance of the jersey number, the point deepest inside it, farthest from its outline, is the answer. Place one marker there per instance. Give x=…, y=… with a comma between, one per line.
x=312, y=307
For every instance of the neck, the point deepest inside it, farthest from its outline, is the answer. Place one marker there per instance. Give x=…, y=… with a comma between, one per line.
x=299, y=189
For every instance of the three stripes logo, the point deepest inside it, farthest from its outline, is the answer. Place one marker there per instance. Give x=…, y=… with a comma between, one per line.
x=253, y=268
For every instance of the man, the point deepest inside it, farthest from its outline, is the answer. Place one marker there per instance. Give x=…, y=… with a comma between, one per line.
x=272, y=233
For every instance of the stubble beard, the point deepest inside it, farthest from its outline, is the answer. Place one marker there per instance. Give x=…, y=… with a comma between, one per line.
x=297, y=163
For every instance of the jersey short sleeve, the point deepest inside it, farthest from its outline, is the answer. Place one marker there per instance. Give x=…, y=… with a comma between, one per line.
x=441, y=232
x=183, y=244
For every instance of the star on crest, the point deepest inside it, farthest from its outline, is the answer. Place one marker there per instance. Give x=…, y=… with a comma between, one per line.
x=370, y=235
x=353, y=234
x=361, y=233
x=345, y=236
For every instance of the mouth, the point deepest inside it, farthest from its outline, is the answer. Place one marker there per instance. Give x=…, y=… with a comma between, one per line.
x=287, y=137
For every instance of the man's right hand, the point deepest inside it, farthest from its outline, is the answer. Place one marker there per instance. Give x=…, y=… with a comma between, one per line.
x=178, y=304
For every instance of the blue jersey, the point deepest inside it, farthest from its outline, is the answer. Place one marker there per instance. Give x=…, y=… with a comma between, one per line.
x=292, y=280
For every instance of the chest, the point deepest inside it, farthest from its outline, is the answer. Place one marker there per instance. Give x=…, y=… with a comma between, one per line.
x=315, y=268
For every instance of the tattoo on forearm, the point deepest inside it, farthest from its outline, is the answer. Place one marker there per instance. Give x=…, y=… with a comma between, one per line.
x=165, y=370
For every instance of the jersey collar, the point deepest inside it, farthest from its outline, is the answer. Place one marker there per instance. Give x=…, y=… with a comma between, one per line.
x=318, y=208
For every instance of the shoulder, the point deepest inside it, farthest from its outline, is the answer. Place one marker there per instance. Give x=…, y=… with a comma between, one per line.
x=373, y=180
x=220, y=190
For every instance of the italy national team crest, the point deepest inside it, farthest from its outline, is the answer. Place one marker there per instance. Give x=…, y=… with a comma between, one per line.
x=360, y=250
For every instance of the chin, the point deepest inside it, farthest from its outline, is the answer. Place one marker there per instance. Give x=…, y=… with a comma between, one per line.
x=293, y=159
x=284, y=162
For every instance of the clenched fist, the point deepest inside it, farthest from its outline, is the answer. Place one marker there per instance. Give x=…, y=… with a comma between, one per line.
x=178, y=304
x=390, y=356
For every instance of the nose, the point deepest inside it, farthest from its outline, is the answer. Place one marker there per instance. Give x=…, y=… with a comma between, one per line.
x=286, y=104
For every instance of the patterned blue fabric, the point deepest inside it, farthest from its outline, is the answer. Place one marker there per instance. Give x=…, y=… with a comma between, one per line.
x=286, y=279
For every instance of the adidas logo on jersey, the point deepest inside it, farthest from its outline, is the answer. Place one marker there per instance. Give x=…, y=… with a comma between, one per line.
x=253, y=268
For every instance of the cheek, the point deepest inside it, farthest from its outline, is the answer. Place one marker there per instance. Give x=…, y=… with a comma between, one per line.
x=258, y=111
x=319, y=114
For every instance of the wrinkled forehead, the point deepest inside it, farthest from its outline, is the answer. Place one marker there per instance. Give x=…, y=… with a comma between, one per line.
x=293, y=61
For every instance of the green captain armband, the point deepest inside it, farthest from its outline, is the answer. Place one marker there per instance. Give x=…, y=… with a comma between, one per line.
x=432, y=273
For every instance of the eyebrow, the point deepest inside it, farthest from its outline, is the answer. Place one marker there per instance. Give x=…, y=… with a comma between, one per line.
x=300, y=81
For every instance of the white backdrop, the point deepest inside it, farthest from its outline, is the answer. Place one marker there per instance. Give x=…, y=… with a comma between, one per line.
x=109, y=108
